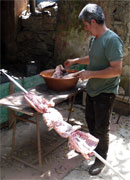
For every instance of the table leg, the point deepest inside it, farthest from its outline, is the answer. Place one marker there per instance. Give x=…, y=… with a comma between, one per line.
x=14, y=131
x=72, y=103
x=38, y=141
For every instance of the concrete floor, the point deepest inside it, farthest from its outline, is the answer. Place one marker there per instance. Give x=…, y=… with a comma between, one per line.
x=118, y=156
x=56, y=165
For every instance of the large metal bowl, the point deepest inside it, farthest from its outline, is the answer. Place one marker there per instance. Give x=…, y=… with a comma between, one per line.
x=59, y=84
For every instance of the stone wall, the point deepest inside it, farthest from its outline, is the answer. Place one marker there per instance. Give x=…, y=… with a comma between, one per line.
x=35, y=40
x=10, y=10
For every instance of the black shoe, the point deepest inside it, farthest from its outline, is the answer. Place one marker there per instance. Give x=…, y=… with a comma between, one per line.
x=96, y=168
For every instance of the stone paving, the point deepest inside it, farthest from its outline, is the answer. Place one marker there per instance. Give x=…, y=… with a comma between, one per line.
x=118, y=156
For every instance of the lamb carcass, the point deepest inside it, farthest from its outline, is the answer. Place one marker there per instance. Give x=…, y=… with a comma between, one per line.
x=39, y=104
x=54, y=119
x=82, y=142
x=51, y=117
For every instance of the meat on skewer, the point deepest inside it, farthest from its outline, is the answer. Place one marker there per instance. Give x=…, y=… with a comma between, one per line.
x=39, y=104
x=54, y=119
x=82, y=142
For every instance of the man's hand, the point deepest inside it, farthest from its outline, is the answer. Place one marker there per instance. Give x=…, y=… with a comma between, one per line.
x=84, y=75
x=81, y=60
x=69, y=62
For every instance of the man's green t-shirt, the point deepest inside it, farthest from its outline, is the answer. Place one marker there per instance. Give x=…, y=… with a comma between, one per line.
x=102, y=51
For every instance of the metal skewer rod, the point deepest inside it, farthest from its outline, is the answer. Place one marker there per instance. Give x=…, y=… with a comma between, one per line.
x=101, y=159
x=107, y=164
x=14, y=81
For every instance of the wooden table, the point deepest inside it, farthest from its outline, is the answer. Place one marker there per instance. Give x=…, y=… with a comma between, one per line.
x=16, y=103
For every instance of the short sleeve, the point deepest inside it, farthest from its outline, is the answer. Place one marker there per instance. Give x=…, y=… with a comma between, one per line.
x=114, y=49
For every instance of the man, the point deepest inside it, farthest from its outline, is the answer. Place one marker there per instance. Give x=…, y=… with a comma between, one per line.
x=103, y=73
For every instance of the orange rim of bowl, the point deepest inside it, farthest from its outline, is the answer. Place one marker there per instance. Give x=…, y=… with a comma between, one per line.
x=52, y=70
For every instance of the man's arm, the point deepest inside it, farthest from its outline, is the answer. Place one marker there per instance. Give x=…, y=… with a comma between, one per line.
x=114, y=70
x=81, y=60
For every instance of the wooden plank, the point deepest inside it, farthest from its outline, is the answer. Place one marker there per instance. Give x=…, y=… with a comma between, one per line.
x=125, y=99
x=11, y=91
x=17, y=102
x=28, y=82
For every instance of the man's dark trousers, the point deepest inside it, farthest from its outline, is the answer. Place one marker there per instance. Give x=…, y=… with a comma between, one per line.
x=98, y=111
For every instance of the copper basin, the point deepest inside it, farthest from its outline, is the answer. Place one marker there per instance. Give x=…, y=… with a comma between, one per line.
x=59, y=84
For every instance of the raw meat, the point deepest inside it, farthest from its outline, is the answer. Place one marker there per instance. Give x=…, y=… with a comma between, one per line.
x=71, y=75
x=64, y=129
x=82, y=142
x=51, y=117
x=39, y=104
x=54, y=119
x=58, y=74
x=61, y=73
